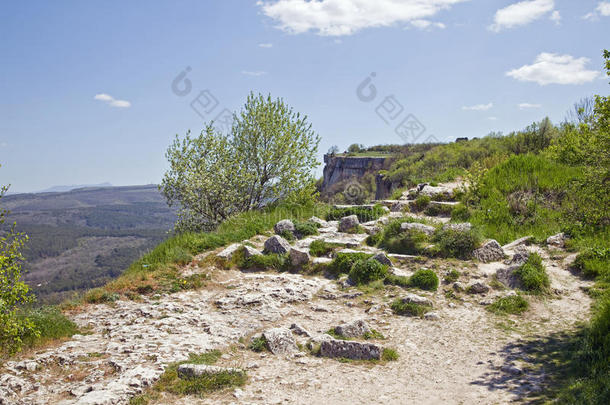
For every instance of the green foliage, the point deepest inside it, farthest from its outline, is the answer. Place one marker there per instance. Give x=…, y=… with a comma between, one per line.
x=365, y=271
x=460, y=213
x=452, y=276
x=264, y=262
x=532, y=275
x=408, y=308
x=389, y=354
x=320, y=248
x=373, y=334
x=170, y=382
x=457, y=243
x=14, y=293
x=258, y=344
x=512, y=304
x=343, y=262
x=594, y=263
x=435, y=210
x=424, y=279
x=410, y=242
x=364, y=214
x=302, y=229
x=268, y=156
x=49, y=324
x=400, y=281
x=421, y=203
x=373, y=240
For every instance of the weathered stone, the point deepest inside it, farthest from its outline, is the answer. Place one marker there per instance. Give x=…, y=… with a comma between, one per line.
x=229, y=251
x=350, y=350
x=383, y=259
x=521, y=255
x=558, y=240
x=200, y=370
x=348, y=223
x=277, y=244
x=280, y=341
x=299, y=330
x=457, y=286
x=491, y=251
x=517, y=242
x=249, y=251
x=432, y=316
x=507, y=276
x=319, y=221
x=299, y=257
x=477, y=288
x=434, y=191
x=427, y=229
x=353, y=329
x=399, y=206
x=285, y=225
x=411, y=298
x=462, y=227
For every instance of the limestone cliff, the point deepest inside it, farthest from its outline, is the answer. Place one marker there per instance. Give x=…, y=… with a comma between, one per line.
x=340, y=168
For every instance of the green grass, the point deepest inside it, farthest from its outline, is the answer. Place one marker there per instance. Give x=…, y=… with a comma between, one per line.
x=320, y=248
x=513, y=304
x=366, y=271
x=420, y=203
x=452, y=276
x=456, y=243
x=170, y=382
x=363, y=214
x=532, y=275
x=389, y=354
x=49, y=324
x=258, y=344
x=424, y=279
x=408, y=308
x=593, y=263
x=400, y=281
x=343, y=262
x=278, y=262
x=302, y=229
x=435, y=210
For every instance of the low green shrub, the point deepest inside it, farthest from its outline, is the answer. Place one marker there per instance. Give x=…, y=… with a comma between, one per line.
x=409, y=242
x=436, y=210
x=457, y=243
x=364, y=214
x=513, y=304
x=389, y=354
x=373, y=240
x=532, y=275
x=100, y=295
x=421, y=203
x=258, y=344
x=593, y=263
x=320, y=248
x=49, y=324
x=400, y=281
x=271, y=261
x=288, y=235
x=452, y=276
x=408, y=308
x=343, y=262
x=302, y=229
x=460, y=213
x=373, y=334
x=365, y=271
x=424, y=279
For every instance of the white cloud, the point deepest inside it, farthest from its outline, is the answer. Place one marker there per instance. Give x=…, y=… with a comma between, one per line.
x=253, y=73
x=524, y=106
x=478, y=107
x=604, y=8
x=550, y=68
x=266, y=45
x=522, y=13
x=423, y=24
x=555, y=17
x=111, y=101
x=345, y=17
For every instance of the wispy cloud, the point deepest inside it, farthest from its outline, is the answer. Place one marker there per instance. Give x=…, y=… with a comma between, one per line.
x=265, y=45
x=525, y=106
x=555, y=17
x=423, y=24
x=345, y=17
x=253, y=73
x=522, y=13
x=478, y=107
x=550, y=68
x=111, y=101
x=603, y=9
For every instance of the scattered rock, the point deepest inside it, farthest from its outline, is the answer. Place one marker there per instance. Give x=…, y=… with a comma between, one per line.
x=478, y=288
x=249, y=251
x=491, y=251
x=321, y=222
x=353, y=329
x=511, y=369
x=399, y=206
x=229, y=251
x=521, y=255
x=277, y=244
x=299, y=330
x=280, y=341
x=416, y=299
x=435, y=191
x=383, y=259
x=350, y=350
x=285, y=225
x=457, y=286
x=348, y=223
x=427, y=229
x=432, y=316
x=199, y=370
x=299, y=257
x=462, y=227
x=518, y=242
x=558, y=240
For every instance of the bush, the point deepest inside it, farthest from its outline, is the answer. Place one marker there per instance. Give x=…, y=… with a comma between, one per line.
x=319, y=248
x=373, y=240
x=421, y=203
x=389, y=354
x=400, y=281
x=457, y=243
x=532, y=275
x=435, y=210
x=408, y=308
x=424, y=279
x=258, y=344
x=364, y=214
x=460, y=213
x=263, y=262
x=302, y=229
x=513, y=304
x=365, y=271
x=343, y=262
x=452, y=276
x=49, y=323
x=593, y=263
x=410, y=242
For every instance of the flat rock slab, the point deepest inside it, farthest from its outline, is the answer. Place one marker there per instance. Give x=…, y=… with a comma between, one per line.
x=199, y=370
x=350, y=350
x=280, y=341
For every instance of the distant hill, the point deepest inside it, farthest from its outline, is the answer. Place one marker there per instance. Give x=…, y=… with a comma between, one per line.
x=84, y=237
x=62, y=189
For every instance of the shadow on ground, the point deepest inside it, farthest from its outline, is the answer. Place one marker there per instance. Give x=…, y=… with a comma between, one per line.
x=535, y=369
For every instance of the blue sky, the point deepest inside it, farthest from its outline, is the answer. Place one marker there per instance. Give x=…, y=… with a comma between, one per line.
x=86, y=88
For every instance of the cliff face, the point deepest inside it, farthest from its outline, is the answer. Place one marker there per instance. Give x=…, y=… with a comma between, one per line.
x=339, y=168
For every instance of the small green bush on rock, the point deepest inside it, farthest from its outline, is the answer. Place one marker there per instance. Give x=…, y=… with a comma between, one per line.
x=343, y=262
x=258, y=344
x=319, y=248
x=513, y=304
x=424, y=279
x=409, y=308
x=457, y=243
x=389, y=354
x=532, y=275
x=365, y=271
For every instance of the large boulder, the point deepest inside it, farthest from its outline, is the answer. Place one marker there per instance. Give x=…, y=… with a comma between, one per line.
x=478, y=288
x=348, y=223
x=353, y=329
x=249, y=251
x=350, y=350
x=285, y=225
x=443, y=192
x=299, y=257
x=277, y=244
x=427, y=229
x=280, y=341
x=199, y=370
x=558, y=240
x=491, y=251
x=382, y=258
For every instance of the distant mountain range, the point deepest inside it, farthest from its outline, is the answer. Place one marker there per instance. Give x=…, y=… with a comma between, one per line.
x=84, y=237
x=59, y=189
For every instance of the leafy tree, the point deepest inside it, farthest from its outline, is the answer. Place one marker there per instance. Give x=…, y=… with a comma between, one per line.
x=268, y=156
x=13, y=292
x=354, y=148
x=333, y=150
